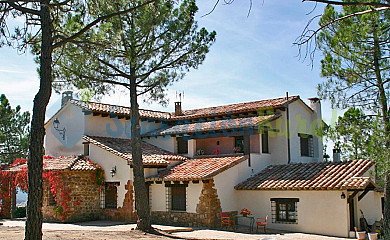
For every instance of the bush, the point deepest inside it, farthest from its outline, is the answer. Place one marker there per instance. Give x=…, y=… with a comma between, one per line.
x=20, y=212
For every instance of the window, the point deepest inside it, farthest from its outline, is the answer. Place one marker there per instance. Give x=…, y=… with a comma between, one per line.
x=86, y=149
x=306, y=141
x=177, y=197
x=110, y=194
x=284, y=210
x=264, y=141
x=51, y=198
x=182, y=146
x=239, y=144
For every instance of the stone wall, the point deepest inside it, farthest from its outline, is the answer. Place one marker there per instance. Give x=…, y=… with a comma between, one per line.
x=124, y=213
x=207, y=211
x=84, y=195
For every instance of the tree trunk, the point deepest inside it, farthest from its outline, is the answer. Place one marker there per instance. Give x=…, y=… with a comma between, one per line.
x=386, y=121
x=33, y=229
x=140, y=189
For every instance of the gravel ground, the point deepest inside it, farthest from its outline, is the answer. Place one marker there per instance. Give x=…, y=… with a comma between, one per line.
x=99, y=230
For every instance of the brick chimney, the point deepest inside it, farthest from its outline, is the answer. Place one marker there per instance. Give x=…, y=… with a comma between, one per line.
x=66, y=96
x=178, y=110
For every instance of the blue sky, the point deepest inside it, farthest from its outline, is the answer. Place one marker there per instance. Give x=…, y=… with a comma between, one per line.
x=253, y=58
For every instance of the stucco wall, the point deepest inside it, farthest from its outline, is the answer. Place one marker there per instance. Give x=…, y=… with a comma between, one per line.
x=158, y=196
x=320, y=212
x=107, y=161
x=72, y=119
x=301, y=121
x=167, y=142
x=226, y=144
x=371, y=207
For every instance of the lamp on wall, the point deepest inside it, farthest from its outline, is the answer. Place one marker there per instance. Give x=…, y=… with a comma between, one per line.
x=56, y=125
x=113, y=171
x=342, y=195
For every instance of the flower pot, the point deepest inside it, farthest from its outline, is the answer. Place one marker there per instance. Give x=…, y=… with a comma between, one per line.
x=373, y=236
x=361, y=235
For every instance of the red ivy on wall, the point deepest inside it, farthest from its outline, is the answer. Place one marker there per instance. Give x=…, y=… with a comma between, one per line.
x=57, y=187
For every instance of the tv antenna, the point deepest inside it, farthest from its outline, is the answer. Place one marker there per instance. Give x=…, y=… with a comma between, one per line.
x=179, y=95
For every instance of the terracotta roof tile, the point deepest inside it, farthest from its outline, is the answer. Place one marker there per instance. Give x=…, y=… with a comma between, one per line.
x=311, y=176
x=119, y=110
x=198, y=168
x=188, y=114
x=151, y=155
x=236, y=108
x=73, y=163
x=218, y=125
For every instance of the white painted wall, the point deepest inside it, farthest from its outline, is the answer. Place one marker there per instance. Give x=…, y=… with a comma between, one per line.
x=72, y=119
x=167, y=142
x=107, y=161
x=158, y=196
x=371, y=206
x=301, y=121
x=225, y=182
x=320, y=212
x=193, y=193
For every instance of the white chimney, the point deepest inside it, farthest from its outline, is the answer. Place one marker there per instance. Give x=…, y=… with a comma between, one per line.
x=315, y=105
x=66, y=96
x=336, y=155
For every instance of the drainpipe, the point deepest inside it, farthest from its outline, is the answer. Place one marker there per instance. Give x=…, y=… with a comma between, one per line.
x=288, y=132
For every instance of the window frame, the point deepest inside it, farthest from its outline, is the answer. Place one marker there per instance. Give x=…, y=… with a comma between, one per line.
x=110, y=205
x=170, y=196
x=51, y=198
x=180, y=141
x=240, y=149
x=291, y=217
x=265, y=136
x=307, y=141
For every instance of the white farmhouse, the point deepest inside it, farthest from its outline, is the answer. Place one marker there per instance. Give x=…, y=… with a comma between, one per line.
x=263, y=155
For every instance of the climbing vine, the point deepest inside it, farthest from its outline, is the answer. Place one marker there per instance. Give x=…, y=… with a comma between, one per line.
x=61, y=193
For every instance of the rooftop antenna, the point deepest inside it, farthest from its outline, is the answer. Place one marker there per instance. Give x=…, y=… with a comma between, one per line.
x=179, y=95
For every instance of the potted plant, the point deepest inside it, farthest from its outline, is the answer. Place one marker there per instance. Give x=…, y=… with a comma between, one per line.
x=245, y=212
x=217, y=151
x=373, y=236
x=361, y=235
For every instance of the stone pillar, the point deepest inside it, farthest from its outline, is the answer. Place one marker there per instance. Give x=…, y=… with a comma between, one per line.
x=209, y=206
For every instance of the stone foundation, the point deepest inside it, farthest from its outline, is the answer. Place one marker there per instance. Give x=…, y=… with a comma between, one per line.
x=207, y=211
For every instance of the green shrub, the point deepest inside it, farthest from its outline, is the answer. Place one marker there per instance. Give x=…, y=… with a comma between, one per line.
x=20, y=212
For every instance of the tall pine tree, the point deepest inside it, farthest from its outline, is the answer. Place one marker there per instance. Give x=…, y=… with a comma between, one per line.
x=144, y=51
x=356, y=64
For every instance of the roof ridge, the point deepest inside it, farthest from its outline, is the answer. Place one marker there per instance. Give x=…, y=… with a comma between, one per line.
x=108, y=104
x=255, y=101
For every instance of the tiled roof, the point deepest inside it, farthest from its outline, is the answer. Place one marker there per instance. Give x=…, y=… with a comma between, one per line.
x=311, y=176
x=218, y=125
x=236, y=108
x=198, y=168
x=73, y=163
x=151, y=155
x=119, y=110
x=188, y=114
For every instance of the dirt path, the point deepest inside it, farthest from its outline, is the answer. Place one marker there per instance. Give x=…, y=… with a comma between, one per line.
x=106, y=230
